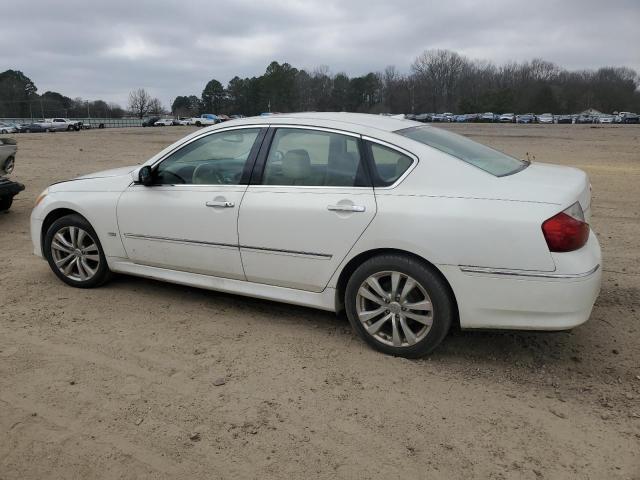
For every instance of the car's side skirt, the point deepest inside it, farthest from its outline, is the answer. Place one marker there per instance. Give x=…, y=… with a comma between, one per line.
x=324, y=300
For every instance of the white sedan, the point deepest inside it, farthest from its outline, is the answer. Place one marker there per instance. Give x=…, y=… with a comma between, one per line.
x=407, y=227
x=164, y=122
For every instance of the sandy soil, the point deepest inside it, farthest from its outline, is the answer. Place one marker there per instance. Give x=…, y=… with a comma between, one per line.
x=119, y=382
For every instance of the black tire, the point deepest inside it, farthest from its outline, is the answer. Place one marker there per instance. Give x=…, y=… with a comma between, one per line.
x=5, y=203
x=69, y=128
x=102, y=273
x=443, y=305
x=9, y=163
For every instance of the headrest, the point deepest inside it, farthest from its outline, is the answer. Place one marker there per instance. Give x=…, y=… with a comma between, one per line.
x=296, y=164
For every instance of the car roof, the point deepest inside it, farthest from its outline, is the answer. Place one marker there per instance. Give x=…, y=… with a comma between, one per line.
x=366, y=120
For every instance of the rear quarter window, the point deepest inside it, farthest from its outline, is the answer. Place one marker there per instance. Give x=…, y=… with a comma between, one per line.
x=389, y=164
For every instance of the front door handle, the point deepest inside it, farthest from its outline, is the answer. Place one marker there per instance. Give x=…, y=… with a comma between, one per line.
x=346, y=208
x=220, y=204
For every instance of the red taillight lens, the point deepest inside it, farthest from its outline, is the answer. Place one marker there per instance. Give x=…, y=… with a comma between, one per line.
x=564, y=232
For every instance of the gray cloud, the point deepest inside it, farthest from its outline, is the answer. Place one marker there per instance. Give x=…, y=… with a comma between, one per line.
x=105, y=49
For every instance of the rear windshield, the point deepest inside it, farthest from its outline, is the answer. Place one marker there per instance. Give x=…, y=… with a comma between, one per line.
x=478, y=155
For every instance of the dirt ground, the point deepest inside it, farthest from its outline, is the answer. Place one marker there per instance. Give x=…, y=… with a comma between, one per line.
x=119, y=382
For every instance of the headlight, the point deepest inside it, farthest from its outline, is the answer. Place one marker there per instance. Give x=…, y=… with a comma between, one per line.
x=41, y=197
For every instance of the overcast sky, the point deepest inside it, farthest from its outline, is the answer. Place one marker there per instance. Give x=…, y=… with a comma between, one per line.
x=103, y=49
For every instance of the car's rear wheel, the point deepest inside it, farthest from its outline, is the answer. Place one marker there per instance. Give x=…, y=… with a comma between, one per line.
x=399, y=305
x=74, y=252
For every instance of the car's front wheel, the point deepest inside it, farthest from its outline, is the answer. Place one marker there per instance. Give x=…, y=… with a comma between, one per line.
x=74, y=252
x=399, y=305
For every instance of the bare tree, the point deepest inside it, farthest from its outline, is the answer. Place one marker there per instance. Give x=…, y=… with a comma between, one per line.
x=155, y=107
x=139, y=102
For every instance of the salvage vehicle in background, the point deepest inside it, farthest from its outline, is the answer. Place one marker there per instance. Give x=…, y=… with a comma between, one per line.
x=564, y=119
x=205, y=119
x=165, y=122
x=7, y=128
x=627, y=117
x=32, y=128
x=546, y=118
x=407, y=227
x=150, y=121
x=8, y=188
x=526, y=118
x=507, y=118
x=59, y=125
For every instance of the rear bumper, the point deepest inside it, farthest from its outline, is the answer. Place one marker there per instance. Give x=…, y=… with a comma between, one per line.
x=528, y=300
x=487, y=300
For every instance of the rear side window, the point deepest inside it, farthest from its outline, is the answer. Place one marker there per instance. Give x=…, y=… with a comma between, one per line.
x=314, y=158
x=474, y=153
x=389, y=164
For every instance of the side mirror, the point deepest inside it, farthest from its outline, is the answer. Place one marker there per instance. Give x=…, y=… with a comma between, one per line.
x=145, y=176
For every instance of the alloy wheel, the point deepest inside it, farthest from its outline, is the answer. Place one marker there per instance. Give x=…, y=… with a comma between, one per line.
x=394, y=309
x=75, y=253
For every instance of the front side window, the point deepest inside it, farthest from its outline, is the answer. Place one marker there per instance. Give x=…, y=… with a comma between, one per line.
x=216, y=159
x=301, y=157
x=474, y=153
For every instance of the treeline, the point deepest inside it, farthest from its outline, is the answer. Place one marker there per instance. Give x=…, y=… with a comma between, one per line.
x=438, y=81
x=19, y=98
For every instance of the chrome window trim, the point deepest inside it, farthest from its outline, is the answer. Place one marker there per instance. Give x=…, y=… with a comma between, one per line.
x=311, y=127
x=526, y=273
x=400, y=150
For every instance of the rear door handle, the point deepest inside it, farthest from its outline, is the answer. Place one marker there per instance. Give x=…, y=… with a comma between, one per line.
x=346, y=208
x=220, y=204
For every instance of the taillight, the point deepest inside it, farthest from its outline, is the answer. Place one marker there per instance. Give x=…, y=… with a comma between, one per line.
x=566, y=231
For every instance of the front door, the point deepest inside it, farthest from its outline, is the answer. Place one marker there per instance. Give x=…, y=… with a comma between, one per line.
x=313, y=201
x=188, y=219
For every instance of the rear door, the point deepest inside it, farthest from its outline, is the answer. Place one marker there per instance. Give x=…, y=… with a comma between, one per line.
x=310, y=200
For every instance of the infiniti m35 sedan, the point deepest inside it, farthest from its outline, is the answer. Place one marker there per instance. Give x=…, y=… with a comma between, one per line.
x=408, y=228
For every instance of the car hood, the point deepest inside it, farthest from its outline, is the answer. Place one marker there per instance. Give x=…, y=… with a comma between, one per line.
x=114, y=172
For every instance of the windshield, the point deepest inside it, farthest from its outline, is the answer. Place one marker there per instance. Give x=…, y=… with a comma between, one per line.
x=478, y=155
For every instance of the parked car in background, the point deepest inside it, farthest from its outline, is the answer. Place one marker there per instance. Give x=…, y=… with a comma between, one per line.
x=546, y=118
x=223, y=118
x=184, y=121
x=564, y=119
x=59, y=125
x=7, y=128
x=487, y=117
x=460, y=118
x=627, y=117
x=150, y=121
x=437, y=117
x=448, y=117
x=584, y=119
x=32, y=128
x=507, y=118
x=606, y=119
x=165, y=122
x=8, y=188
x=525, y=118
x=206, y=119
x=407, y=227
